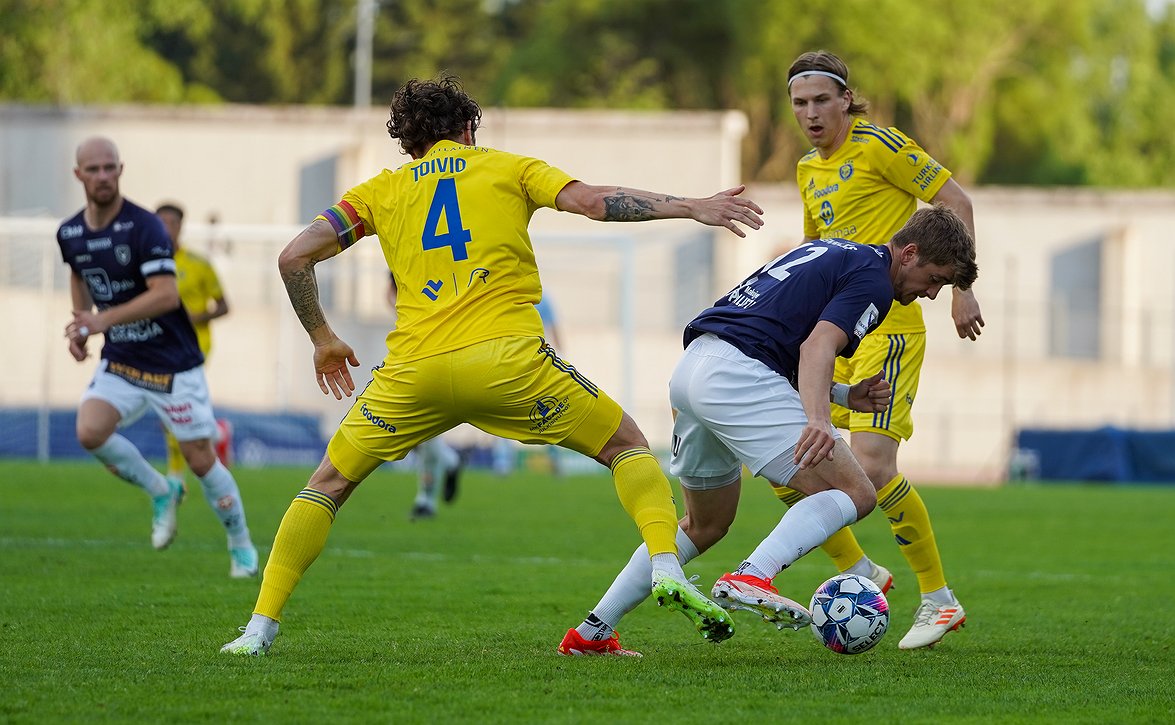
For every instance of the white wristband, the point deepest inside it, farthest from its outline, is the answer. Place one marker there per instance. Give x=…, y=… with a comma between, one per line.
x=840, y=394
x=84, y=331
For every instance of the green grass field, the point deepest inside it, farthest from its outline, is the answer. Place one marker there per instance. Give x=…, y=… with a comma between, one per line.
x=1068, y=591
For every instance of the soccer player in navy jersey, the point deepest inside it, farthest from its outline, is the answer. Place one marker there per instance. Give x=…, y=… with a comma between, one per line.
x=753, y=388
x=123, y=286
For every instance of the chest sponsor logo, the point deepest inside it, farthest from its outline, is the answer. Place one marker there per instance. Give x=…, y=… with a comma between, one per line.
x=94, y=245
x=821, y=193
x=137, y=331
x=73, y=231
x=546, y=411
x=827, y=215
x=123, y=226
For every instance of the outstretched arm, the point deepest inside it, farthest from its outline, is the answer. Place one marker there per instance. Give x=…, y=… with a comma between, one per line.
x=964, y=307
x=621, y=204
x=296, y=264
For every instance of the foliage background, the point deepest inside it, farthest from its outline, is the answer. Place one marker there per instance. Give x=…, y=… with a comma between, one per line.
x=1048, y=92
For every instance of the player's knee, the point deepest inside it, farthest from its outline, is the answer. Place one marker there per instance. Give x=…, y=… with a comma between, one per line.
x=705, y=534
x=626, y=437
x=199, y=456
x=864, y=497
x=91, y=437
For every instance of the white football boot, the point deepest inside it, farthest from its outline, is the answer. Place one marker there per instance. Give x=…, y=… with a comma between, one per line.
x=932, y=621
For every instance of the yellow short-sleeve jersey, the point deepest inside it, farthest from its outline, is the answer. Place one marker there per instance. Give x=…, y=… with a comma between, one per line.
x=198, y=286
x=866, y=191
x=453, y=229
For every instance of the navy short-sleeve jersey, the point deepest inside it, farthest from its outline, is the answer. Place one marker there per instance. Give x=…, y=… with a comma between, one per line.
x=770, y=314
x=115, y=263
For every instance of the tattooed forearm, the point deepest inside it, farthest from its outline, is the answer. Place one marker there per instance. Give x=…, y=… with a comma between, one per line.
x=626, y=206
x=302, y=288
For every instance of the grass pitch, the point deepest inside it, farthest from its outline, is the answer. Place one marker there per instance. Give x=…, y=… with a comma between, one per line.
x=1067, y=591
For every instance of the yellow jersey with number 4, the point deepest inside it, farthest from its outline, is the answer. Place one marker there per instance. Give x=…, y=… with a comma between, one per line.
x=865, y=192
x=453, y=228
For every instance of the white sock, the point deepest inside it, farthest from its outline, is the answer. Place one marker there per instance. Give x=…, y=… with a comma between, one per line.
x=863, y=567
x=120, y=456
x=630, y=588
x=806, y=525
x=263, y=625
x=939, y=596
x=224, y=498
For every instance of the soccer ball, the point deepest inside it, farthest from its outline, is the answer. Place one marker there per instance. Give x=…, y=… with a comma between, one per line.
x=849, y=614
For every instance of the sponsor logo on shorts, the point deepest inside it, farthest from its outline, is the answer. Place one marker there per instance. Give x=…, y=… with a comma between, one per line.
x=546, y=411
x=179, y=413
x=375, y=419
x=156, y=382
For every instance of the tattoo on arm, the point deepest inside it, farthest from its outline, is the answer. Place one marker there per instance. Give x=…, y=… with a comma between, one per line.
x=625, y=206
x=302, y=288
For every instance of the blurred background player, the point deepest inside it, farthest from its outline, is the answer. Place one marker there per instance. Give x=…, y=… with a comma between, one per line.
x=438, y=464
x=468, y=348
x=203, y=300
x=862, y=182
x=121, y=262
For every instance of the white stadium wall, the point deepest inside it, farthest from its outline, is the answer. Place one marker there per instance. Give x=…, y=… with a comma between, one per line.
x=621, y=290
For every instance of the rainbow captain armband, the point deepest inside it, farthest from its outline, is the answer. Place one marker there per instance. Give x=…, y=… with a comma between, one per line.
x=346, y=222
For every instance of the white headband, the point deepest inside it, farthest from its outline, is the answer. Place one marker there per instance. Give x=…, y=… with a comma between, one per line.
x=824, y=73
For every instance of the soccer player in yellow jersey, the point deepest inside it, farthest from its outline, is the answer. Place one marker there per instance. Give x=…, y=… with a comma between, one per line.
x=468, y=344
x=861, y=182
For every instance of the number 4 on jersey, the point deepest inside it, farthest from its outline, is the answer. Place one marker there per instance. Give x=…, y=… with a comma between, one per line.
x=444, y=201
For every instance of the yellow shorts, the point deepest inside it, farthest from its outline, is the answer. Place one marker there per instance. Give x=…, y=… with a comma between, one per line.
x=900, y=356
x=512, y=387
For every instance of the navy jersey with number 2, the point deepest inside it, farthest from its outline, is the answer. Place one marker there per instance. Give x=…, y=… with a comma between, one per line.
x=770, y=314
x=115, y=263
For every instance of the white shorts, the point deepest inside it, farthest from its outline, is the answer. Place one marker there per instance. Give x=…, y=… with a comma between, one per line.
x=729, y=411
x=186, y=410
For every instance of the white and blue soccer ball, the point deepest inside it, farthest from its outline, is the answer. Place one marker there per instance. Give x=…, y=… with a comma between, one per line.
x=849, y=614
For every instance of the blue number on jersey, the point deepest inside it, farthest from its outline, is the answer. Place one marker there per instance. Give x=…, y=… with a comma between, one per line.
x=445, y=201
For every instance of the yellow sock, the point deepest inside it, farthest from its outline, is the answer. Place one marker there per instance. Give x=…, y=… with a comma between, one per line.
x=646, y=496
x=910, y=522
x=842, y=546
x=175, y=457
x=300, y=539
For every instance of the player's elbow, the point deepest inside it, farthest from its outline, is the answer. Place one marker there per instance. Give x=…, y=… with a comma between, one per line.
x=291, y=260
x=583, y=199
